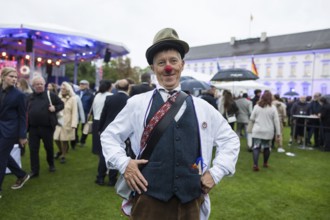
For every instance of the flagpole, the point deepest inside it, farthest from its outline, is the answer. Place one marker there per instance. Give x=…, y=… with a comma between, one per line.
x=250, y=24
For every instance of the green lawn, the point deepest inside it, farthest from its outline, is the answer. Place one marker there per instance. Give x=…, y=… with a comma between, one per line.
x=292, y=188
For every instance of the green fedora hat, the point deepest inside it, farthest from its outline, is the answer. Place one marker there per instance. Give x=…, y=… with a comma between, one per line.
x=166, y=38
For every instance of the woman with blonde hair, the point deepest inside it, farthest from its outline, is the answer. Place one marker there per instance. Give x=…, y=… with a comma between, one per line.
x=12, y=126
x=23, y=85
x=66, y=132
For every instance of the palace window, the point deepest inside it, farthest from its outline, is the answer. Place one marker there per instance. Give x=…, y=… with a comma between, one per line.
x=280, y=70
x=326, y=69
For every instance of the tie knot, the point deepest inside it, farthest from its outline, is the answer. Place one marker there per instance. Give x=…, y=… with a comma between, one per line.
x=172, y=92
x=168, y=92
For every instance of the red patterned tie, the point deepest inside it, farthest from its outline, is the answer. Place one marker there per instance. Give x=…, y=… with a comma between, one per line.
x=156, y=119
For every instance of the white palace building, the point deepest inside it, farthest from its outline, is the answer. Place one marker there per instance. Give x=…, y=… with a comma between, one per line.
x=297, y=62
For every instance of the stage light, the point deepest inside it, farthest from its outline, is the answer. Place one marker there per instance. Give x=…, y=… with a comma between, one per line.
x=19, y=42
x=4, y=54
x=83, y=54
x=90, y=53
x=49, y=61
x=39, y=59
x=64, y=55
x=58, y=62
x=27, y=56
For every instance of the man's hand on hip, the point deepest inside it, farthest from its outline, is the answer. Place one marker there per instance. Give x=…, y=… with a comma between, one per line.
x=134, y=177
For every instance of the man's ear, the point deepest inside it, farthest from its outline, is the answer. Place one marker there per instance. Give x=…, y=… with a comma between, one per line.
x=152, y=67
x=182, y=65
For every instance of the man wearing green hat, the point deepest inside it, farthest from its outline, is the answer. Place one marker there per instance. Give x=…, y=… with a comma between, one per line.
x=170, y=178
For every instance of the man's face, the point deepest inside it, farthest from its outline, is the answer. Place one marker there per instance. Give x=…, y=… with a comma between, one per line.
x=302, y=99
x=168, y=79
x=317, y=96
x=83, y=86
x=39, y=86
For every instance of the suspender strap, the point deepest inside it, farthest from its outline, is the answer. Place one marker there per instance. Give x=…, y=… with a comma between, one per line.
x=162, y=125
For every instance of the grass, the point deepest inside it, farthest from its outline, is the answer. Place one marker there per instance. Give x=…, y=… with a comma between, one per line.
x=292, y=188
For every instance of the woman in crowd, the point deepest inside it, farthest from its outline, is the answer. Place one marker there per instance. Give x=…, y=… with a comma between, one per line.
x=266, y=124
x=228, y=108
x=23, y=85
x=98, y=103
x=12, y=126
x=65, y=133
x=281, y=110
x=52, y=87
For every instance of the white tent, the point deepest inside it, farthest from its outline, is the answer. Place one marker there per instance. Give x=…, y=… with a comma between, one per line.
x=236, y=87
x=199, y=76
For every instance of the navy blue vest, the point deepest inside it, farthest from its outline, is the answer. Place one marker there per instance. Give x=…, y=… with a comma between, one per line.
x=169, y=171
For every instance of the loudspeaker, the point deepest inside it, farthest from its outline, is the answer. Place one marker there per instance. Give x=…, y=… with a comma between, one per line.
x=107, y=56
x=49, y=69
x=29, y=45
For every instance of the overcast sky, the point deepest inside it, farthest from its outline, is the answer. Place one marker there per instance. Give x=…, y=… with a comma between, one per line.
x=135, y=22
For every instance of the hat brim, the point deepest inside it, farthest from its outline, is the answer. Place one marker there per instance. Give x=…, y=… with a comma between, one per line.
x=179, y=45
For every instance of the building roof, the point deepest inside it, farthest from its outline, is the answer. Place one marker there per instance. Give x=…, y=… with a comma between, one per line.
x=312, y=40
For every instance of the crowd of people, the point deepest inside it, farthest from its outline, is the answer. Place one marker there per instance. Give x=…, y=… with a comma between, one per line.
x=177, y=171
x=287, y=111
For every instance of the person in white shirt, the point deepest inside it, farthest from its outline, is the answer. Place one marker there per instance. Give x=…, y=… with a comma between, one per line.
x=98, y=104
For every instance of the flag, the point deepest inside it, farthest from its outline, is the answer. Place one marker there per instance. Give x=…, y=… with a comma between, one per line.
x=254, y=68
x=218, y=66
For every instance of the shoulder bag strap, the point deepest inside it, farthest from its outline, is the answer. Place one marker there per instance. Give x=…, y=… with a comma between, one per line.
x=162, y=125
x=48, y=94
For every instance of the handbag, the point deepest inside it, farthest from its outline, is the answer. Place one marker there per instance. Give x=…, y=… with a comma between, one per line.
x=59, y=115
x=88, y=126
x=231, y=118
x=250, y=126
x=121, y=187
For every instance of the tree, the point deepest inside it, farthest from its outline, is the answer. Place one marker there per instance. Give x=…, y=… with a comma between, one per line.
x=117, y=68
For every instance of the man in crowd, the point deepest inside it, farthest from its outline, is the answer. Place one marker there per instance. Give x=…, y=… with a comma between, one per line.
x=112, y=106
x=244, y=111
x=209, y=96
x=145, y=85
x=86, y=95
x=255, y=99
x=42, y=121
x=175, y=180
x=314, y=108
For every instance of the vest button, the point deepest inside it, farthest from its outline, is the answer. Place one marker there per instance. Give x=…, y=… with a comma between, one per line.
x=175, y=189
x=177, y=164
x=177, y=139
x=176, y=177
x=177, y=126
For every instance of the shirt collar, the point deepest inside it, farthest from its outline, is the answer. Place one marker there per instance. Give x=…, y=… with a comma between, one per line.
x=162, y=89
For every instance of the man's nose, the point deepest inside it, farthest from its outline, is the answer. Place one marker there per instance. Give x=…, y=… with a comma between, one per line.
x=168, y=68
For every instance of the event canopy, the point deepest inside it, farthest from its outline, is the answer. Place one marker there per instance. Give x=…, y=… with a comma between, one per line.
x=236, y=87
x=196, y=75
x=49, y=41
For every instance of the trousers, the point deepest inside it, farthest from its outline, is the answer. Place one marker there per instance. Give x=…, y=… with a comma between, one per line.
x=147, y=208
x=6, y=146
